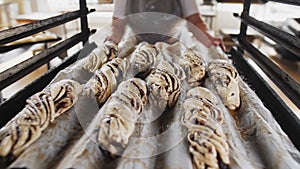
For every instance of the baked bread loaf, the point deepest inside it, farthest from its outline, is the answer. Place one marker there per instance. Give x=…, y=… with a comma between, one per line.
x=99, y=56
x=41, y=110
x=194, y=67
x=207, y=141
x=164, y=88
x=172, y=68
x=120, y=114
x=144, y=57
x=106, y=80
x=225, y=78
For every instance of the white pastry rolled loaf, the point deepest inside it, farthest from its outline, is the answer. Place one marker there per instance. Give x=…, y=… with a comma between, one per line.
x=41, y=110
x=172, y=68
x=144, y=57
x=110, y=129
x=99, y=56
x=106, y=80
x=225, y=78
x=207, y=141
x=164, y=88
x=120, y=115
x=194, y=67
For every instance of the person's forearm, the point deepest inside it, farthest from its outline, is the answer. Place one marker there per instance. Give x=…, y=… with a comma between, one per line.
x=199, y=29
x=118, y=29
x=197, y=20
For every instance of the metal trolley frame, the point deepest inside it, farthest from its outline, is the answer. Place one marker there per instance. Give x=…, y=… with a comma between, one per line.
x=282, y=113
x=287, y=119
x=10, y=107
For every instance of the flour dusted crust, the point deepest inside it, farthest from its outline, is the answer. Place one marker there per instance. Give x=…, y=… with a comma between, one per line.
x=208, y=146
x=207, y=141
x=64, y=94
x=41, y=110
x=120, y=114
x=99, y=56
x=106, y=79
x=213, y=137
x=202, y=99
x=194, y=67
x=172, y=68
x=144, y=57
x=225, y=78
x=164, y=87
x=202, y=93
x=136, y=86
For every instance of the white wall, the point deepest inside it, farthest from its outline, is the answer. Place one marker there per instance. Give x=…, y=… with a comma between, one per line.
x=225, y=18
x=271, y=12
x=61, y=5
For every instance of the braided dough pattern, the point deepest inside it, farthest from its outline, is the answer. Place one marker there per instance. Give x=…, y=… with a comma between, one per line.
x=207, y=141
x=164, y=87
x=99, y=56
x=144, y=57
x=225, y=78
x=41, y=110
x=172, y=68
x=120, y=115
x=194, y=67
x=105, y=80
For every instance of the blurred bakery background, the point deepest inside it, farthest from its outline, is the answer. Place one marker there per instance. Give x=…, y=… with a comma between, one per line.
x=218, y=15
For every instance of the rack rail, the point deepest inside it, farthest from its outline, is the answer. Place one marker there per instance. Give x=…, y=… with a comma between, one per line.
x=287, y=119
x=10, y=107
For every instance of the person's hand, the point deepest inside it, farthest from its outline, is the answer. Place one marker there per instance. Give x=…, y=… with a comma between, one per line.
x=111, y=39
x=118, y=29
x=196, y=23
x=218, y=42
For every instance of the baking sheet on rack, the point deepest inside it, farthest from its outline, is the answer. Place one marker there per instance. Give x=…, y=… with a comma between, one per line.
x=42, y=37
x=254, y=137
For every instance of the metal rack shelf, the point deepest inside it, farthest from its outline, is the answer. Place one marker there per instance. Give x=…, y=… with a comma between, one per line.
x=13, y=105
x=283, y=114
x=290, y=42
x=291, y=2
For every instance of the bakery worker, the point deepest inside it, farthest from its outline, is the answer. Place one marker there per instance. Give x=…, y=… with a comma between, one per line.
x=155, y=20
